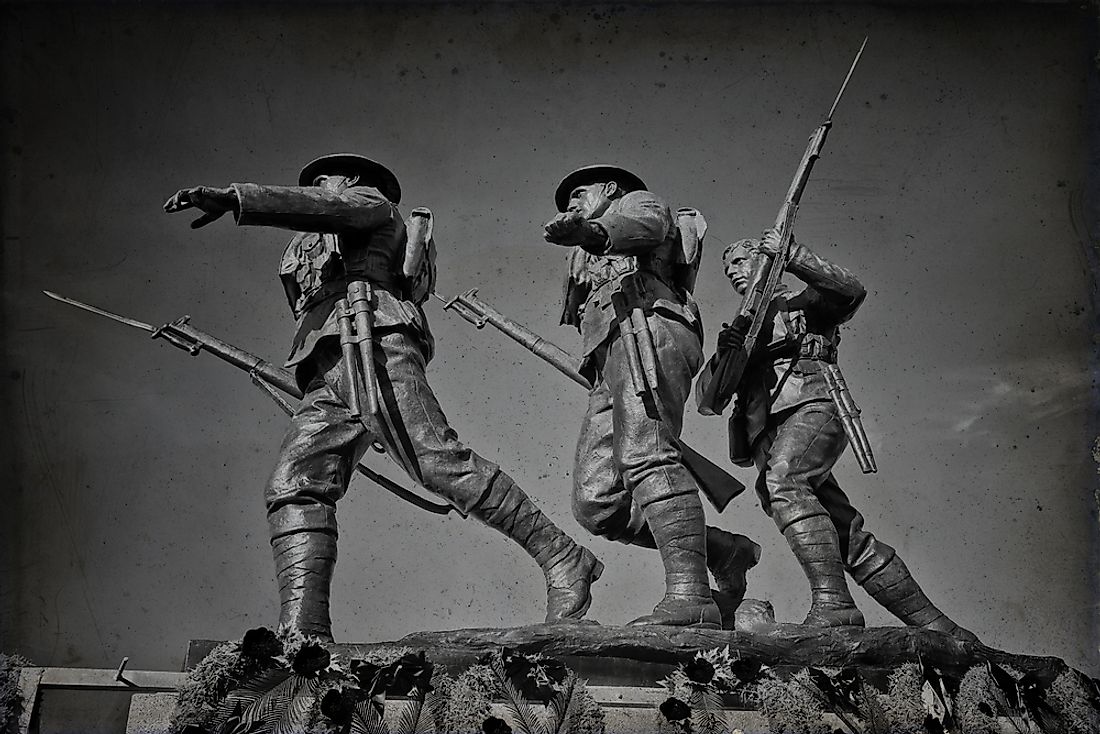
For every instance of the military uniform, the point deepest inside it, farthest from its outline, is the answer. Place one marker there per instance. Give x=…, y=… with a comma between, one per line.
x=786, y=423
x=629, y=480
x=357, y=234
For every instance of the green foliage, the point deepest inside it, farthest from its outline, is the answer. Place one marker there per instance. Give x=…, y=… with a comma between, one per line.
x=11, y=699
x=466, y=700
x=901, y=707
x=790, y=706
x=973, y=708
x=207, y=684
x=1075, y=701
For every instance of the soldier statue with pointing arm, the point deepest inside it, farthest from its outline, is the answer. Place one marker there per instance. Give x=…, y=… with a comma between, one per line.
x=355, y=275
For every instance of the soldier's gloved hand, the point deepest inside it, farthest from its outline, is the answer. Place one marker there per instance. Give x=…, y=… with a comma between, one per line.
x=732, y=337
x=769, y=243
x=565, y=229
x=213, y=203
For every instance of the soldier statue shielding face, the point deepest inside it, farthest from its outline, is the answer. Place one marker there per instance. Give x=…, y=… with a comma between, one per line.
x=786, y=422
x=642, y=347
x=352, y=262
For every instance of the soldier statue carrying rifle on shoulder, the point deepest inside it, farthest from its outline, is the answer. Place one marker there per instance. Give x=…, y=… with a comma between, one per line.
x=628, y=291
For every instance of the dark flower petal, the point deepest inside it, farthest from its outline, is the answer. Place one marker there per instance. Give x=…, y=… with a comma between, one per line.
x=310, y=659
x=674, y=709
x=493, y=725
x=261, y=644
x=699, y=670
x=408, y=673
x=746, y=670
x=338, y=704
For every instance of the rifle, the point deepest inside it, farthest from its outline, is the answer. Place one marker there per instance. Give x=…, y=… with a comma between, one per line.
x=713, y=396
x=718, y=486
x=265, y=375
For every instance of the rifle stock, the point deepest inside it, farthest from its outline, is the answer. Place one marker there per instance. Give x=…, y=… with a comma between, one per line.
x=718, y=486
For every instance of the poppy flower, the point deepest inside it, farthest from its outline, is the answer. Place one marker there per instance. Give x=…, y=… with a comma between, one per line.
x=674, y=709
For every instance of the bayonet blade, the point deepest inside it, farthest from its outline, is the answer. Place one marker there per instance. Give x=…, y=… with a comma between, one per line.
x=848, y=78
x=114, y=316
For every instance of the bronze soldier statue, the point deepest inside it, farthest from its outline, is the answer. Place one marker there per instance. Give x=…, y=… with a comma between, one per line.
x=786, y=422
x=356, y=275
x=628, y=291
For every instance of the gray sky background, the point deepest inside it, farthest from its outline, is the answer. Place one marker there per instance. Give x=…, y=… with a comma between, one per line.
x=953, y=184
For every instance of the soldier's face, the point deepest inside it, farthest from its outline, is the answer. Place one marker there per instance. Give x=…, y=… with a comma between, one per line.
x=739, y=270
x=591, y=201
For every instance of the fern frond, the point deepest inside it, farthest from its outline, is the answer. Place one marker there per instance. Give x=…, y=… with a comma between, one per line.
x=562, y=706
x=706, y=715
x=238, y=700
x=418, y=717
x=522, y=716
x=268, y=708
x=295, y=718
x=367, y=719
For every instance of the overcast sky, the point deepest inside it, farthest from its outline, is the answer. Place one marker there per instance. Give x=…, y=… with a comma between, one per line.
x=953, y=184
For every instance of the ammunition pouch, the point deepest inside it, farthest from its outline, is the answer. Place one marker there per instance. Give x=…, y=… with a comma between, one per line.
x=611, y=269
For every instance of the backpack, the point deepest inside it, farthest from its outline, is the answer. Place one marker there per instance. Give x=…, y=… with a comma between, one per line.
x=685, y=263
x=418, y=268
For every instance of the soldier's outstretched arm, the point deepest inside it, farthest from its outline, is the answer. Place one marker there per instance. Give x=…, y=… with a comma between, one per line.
x=213, y=202
x=299, y=208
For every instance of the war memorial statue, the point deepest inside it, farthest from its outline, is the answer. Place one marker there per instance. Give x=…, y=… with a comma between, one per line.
x=355, y=275
x=628, y=290
x=790, y=420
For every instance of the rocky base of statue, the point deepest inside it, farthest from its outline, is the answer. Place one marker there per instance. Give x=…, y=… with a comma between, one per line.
x=576, y=677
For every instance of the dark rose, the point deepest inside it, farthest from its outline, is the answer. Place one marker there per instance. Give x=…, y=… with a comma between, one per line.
x=493, y=725
x=746, y=670
x=367, y=675
x=338, y=704
x=699, y=670
x=310, y=659
x=674, y=709
x=261, y=644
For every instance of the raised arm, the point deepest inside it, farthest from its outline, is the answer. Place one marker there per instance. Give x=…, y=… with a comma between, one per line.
x=832, y=289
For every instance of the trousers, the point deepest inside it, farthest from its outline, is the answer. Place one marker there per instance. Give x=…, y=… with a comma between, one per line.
x=795, y=456
x=628, y=455
x=324, y=441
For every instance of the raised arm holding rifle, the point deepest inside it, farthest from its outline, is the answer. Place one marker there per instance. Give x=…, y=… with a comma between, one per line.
x=794, y=416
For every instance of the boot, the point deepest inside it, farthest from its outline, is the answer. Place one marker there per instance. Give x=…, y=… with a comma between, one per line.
x=677, y=525
x=569, y=568
x=816, y=545
x=729, y=558
x=894, y=588
x=304, y=562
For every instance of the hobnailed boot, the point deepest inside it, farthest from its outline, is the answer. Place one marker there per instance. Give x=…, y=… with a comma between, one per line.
x=729, y=558
x=816, y=546
x=304, y=563
x=677, y=525
x=894, y=588
x=570, y=569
